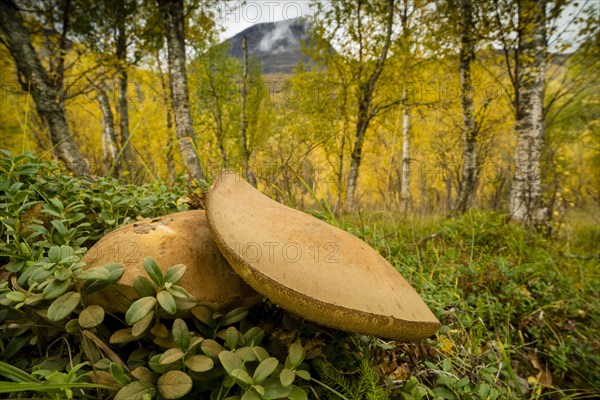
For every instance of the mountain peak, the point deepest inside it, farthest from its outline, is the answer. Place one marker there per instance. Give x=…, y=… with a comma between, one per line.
x=276, y=45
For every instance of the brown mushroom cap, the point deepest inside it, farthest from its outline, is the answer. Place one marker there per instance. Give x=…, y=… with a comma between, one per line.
x=180, y=238
x=310, y=268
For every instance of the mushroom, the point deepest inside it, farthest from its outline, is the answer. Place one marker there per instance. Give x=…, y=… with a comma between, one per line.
x=179, y=238
x=311, y=268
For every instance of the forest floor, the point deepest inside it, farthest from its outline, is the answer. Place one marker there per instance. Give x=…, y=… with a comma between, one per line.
x=520, y=312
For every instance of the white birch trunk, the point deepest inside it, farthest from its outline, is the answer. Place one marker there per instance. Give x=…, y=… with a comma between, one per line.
x=405, y=196
x=366, y=111
x=47, y=96
x=109, y=148
x=468, y=180
x=172, y=13
x=526, y=192
x=244, y=117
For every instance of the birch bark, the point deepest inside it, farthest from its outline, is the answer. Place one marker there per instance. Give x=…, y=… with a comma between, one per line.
x=526, y=192
x=172, y=14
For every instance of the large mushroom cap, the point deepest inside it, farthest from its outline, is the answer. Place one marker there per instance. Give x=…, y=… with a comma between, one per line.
x=310, y=268
x=180, y=238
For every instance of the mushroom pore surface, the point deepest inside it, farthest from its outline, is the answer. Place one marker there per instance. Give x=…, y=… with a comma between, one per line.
x=311, y=268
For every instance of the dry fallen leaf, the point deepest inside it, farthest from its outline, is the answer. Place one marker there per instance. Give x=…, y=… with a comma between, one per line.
x=544, y=378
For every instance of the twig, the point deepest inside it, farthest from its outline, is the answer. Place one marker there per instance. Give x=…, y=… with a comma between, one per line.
x=579, y=257
x=427, y=238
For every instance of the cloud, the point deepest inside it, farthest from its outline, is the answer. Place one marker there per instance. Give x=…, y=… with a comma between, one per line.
x=281, y=35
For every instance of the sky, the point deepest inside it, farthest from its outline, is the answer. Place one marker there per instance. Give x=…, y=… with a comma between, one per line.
x=237, y=15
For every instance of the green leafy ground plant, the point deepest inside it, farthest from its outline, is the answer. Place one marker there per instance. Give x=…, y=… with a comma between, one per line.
x=520, y=312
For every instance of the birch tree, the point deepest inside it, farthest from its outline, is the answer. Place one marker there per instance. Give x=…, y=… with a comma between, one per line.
x=215, y=74
x=108, y=136
x=108, y=32
x=124, y=12
x=173, y=19
x=468, y=180
x=521, y=28
x=244, y=116
x=526, y=193
x=367, y=29
x=405, y=196
x=45, y=86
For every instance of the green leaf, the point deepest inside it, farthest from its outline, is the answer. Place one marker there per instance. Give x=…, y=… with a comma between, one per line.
x=246, y=354
x=143, y=287
x=56, y=288
x=494, y=394
x=171, y=355
x=229, y=360
x=153, y=271
x=231, y=337
x=122, y=336
x=15, y=374
x=174, y=384
x=199, y=363
x=175, y=273
x=72, y=326
x=261, y=354
x=91, y=316
x=303, y=374
x=296, y=356
x=17, y=297
x=443, y=393
x=60, y=227
x=446, y=365
x=484, y=390
x=142, y=374
x=16, y=344
x=254, y=336
x=143, y=324
x=34, y=299
x=139, y=309
x=181, y=334
x=69, y=260
x=118, y=374
x=67, y=252
x=194, y=341
x=264, y=370
x=40, y=274
x=250, y=395
x=204, y=315
x=297, y=394
x=157, y=367
x=14, y=266
x=63, y=306
x=211, y=348
x=259, y=389
x=63, y=274
x=166, y=301
x=160, y=330
x=287, y=377
x=96, y=273
x=54, y=254
x=463, y=382
x=136, y=391
x=234, y=316
x=241, y=375
x=274, y=390
x=57, y=203
x=115, y=271
x=46, y=387
x=178, y=291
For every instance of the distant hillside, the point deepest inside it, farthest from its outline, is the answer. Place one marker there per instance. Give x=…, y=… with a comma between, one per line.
x=276, y=45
